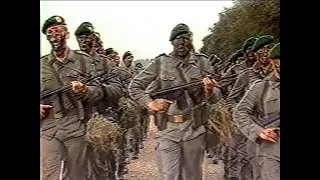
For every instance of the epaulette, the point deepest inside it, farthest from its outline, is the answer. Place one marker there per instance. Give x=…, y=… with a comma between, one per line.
x=82, y=53
x=200, y=54
x=43, y=57
x=163, y=54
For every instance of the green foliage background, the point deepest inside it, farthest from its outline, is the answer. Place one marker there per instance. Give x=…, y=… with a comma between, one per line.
x=245, y=19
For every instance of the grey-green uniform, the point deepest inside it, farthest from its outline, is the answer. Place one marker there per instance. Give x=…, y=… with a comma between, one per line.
x=133, y=135
x=63, y=147
x=102, y=165
x=260, y=109
x=246, y=165
x=227, y=80
x=181, y=144
x=232, y=159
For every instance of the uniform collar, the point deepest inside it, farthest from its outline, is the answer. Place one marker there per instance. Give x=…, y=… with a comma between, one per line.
x=52, y=58
x=190, y=59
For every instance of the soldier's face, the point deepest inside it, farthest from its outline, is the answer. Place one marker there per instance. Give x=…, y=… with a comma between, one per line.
x=128, y=61
x=262, y=55
x=86, y=42
x=57, y=36
x=182, y=45
x=250, y=55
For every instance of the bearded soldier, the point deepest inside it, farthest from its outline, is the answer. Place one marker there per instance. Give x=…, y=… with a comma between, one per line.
x=258, y=117
x=180, y=120
x=87, y=39
x=63, y=116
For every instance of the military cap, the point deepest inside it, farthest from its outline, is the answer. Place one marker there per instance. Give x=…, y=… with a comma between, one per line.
x=248, y=43
x=109, y=51
x=85, y=28
x=126, y=54
x=236, y=55
x=262, y=41
x=275, y=52
x=179, y=30
x=53, y=21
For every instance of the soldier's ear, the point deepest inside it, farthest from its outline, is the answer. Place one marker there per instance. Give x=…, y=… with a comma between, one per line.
x=68, y=35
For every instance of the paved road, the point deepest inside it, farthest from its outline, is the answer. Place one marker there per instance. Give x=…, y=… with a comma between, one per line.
x=145, y=168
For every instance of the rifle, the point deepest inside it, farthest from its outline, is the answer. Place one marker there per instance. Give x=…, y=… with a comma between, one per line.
x=270, y=122
x=166, y=91
x=67, y=88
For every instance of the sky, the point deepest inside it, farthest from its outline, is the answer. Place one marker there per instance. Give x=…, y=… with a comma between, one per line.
x=142, y=27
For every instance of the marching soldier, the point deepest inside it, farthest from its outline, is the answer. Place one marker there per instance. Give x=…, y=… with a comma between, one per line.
x=248, y=167
x=258, y=117
x=181, y=138
x=63, y=117
x=87, y=39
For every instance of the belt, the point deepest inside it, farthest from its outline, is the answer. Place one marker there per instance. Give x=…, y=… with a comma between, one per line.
x=179, y=118
x=64, y=113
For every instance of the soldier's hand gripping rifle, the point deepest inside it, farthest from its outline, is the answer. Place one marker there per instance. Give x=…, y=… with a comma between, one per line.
x=68, y=87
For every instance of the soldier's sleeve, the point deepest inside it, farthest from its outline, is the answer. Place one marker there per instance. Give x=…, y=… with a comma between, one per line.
x=113, y=88
x=140, y=83
x=227, y=79
x=238, y=90
x=94, y=91
x=243, y=113
x=216, y=95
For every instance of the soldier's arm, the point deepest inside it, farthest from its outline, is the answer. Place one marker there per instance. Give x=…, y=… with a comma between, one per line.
x=139, y=84
x=216, y=95
x=227, y=79
x=238, y=90
x=243, y=113
x=113, y=88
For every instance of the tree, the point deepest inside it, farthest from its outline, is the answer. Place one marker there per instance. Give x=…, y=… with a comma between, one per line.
x=246, y=18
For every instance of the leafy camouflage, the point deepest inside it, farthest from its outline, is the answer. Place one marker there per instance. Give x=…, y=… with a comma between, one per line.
x=102, y=133
x=130, y=113
x=220, y=120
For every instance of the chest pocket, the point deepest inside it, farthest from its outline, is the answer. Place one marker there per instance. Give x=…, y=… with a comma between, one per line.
x=272, y=100
x=48, y=83
x=167, y=81
x=71, y=76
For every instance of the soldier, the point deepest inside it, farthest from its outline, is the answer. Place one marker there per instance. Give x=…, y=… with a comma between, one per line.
x=110, y=53
x=103, y=163
x=180, y=121
x=134, y=135
x=258, y=117
x=227, y=79
x=62, y=124
x=243, y=82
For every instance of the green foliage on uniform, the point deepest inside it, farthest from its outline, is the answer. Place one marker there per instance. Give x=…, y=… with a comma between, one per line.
x=220, y=120
x=275, y=52
x=130, y=113
x=243, y=20
x=53, y=21
x=178, y=30
x=103, y=134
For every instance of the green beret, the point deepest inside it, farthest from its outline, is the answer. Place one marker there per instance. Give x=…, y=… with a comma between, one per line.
x=85, y=28
x=262, y=41
x=248, y=43
x=179, y=30
x=236, y=55
x=109, y=51
x=126, y=54
x=53, y=21
x=116, y=53
x=275, y=52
